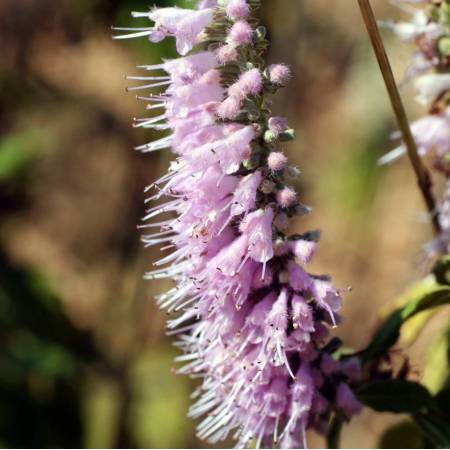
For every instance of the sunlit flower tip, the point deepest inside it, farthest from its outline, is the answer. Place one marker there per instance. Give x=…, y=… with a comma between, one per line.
x=244, y=198
x=258, y=227
x=327, y=297
x=237, y=9
x=229, y=108
x=241, y=33
x=302, y=316
x=277, y=124
x=286, y=197
x=185, y=24
x=227, y=54
x=431, y=86
x=431, y=132
x=277, y=161
x=279, y=74
x=419, y=26
x=278, y=317
x=346, y=401
x=303, y=250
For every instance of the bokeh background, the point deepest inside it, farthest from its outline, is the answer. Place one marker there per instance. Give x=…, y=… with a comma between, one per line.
x=84, y=361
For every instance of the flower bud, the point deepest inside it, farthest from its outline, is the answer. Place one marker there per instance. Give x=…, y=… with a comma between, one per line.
x=241, y=33
x=278, y=74
x=287, y=135
x=276, y=161
x=237, y=9
x=227, y=53
x=286, y=197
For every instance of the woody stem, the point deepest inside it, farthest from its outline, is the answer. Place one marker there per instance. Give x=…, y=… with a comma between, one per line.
x=423, y=177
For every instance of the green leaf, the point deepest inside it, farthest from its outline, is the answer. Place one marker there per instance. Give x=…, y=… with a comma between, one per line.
x=426, y=295
x=396, y=396
x=435, y=428
x=436, y=370
x=402, y=435
x=443, y=398
x=17, y=151
x=334, y=432
x=441, y=270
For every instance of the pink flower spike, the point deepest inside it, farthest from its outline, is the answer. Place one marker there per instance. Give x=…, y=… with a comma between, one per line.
x=252, y=323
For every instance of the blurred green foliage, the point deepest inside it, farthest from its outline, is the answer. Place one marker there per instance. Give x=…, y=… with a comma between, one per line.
x=40, y=364
x=17, y=151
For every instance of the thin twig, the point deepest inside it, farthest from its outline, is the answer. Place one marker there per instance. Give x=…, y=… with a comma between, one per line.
x=423, y=177
x=334, y=432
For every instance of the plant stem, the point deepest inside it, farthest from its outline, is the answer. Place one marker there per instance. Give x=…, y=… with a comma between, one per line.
x=423, y=177
x=334, y=432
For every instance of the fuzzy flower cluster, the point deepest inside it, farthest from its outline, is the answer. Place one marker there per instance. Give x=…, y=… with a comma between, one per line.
x=252, y=323
x=429, y=30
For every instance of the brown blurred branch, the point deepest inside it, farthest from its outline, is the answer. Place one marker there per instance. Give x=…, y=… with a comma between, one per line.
x=423, y=177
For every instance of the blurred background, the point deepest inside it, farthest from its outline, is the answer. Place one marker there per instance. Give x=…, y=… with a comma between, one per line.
x=84, y=361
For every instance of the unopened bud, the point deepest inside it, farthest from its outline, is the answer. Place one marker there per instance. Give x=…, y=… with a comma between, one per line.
x=281, y=222
x=260, y=33
x=270, y=137
x=267, y=187
x=287, y=135
x=300, y=209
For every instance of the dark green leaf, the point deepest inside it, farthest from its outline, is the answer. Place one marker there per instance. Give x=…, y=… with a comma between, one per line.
x=17, y=151
x=435, y=428
x=441, y=270
x=402, y=435
x=334, y=432
x=427, y=296
x=397, y=396
x=443, y=398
